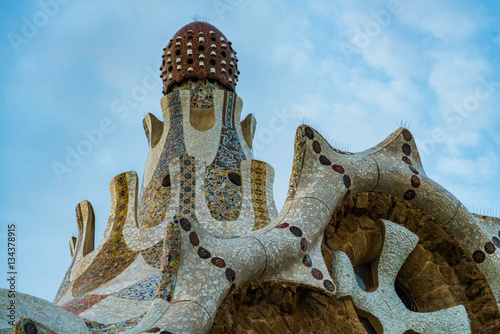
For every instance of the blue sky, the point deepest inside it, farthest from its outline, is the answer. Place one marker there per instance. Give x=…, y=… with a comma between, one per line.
x=358, y=69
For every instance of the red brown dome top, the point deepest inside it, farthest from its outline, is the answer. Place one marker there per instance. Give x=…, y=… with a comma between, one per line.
x=199, y=50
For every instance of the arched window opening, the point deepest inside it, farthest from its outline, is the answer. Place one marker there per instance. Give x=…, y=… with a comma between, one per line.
x=166, y=181
x=364, y=277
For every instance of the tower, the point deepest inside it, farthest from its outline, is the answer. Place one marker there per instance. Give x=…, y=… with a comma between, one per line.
x=205, y=225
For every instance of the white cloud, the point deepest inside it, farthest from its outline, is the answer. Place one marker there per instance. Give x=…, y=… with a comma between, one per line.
x=484, y=166
x=294, y=55
x=442, y=19
x=454, y=75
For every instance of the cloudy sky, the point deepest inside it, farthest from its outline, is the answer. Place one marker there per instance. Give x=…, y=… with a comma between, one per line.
x=356, y=70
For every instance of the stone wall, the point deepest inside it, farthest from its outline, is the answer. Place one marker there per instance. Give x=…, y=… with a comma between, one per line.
x=279, y=307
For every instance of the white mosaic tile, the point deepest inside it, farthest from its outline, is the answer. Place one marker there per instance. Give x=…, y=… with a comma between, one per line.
x=137, y=271
x=44, y=312
x=113, y=309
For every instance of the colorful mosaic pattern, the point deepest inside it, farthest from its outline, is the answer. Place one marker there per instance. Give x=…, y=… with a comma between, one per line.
x=172, y=250
x=115, y=327
x=229, y=154
x=158, y=197
x=170, y=261
x=223, y=197
x=145, y=289
x=152, y=255
x=81, y=304
x=155, y=197
x=202, y=91
x=298, y=160
x=188, y=173
x=188, y=187
x=259, y=200
x=114, y=256
x=172, y=244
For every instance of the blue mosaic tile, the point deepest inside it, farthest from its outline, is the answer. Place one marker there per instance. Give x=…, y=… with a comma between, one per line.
x=145, y=289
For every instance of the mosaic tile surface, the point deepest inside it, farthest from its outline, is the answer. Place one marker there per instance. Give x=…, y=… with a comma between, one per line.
x=114, y=327
x=155, y=196
x=222, y=196
x=201, y=91
x=81, y=304
x=153, y=255
x=26, y=325
x=170, y=262
x=145, y=289
x=259, y=199
x=298, y=160
x=114, y=256
x=136, y=272
x=113, y=309
x=230, y=153
x=42, y=312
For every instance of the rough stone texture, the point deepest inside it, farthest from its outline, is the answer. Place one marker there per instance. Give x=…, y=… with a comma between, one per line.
x=280, y=307
x=438, y=273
